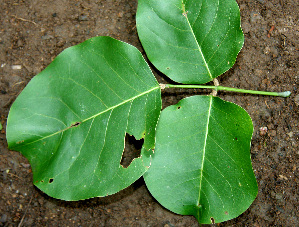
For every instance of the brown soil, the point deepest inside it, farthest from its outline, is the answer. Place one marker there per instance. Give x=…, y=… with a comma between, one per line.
x=33, y=32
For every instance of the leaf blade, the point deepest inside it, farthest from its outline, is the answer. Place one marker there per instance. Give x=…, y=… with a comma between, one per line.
x=71, y=119
x=201, y=165
x=190, y=41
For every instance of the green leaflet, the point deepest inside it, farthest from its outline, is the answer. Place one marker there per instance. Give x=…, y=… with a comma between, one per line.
x=71, y=119
x=201, y=165
x=190, y=41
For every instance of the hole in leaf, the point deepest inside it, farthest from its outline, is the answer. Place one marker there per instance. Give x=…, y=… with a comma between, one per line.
x=51, y=180
x=132, y=150
x=178, y=107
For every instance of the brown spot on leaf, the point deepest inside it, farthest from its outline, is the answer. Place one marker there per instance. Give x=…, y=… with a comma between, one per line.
x=19, y=142
x=75, y=124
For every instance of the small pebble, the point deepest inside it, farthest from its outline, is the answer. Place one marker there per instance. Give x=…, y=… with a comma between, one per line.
x=263, y=131
x=14, y=67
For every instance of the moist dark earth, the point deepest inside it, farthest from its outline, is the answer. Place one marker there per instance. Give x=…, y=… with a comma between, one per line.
x=33, y=32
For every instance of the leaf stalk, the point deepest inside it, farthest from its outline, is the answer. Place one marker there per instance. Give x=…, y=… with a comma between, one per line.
x=221, y=88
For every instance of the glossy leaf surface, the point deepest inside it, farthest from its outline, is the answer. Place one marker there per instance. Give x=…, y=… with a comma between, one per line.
x=201, y=165
x=190, y=41
x=71, y=119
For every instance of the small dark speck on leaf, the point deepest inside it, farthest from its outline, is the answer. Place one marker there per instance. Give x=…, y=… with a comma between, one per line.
x=167, y=68
x=51, y=180
x=236, y=138
x=212, y=220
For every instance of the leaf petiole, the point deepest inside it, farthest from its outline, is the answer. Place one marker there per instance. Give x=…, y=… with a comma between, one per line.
x=221, y=88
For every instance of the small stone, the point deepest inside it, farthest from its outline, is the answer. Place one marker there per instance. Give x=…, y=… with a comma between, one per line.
x=290, y=134
x=16, y=67
x=282, y=177
x=263, y=131
x=25, y=165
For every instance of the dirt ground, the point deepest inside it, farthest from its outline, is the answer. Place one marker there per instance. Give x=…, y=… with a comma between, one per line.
x=33, y=32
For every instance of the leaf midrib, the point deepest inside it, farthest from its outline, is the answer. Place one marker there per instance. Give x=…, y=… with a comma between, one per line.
x=204, y=150
x=185, y=13
x=94, y=116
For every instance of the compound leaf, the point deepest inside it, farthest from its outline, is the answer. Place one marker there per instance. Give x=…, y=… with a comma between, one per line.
x=71, y=119
x=190, y=41
x=201, y=165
